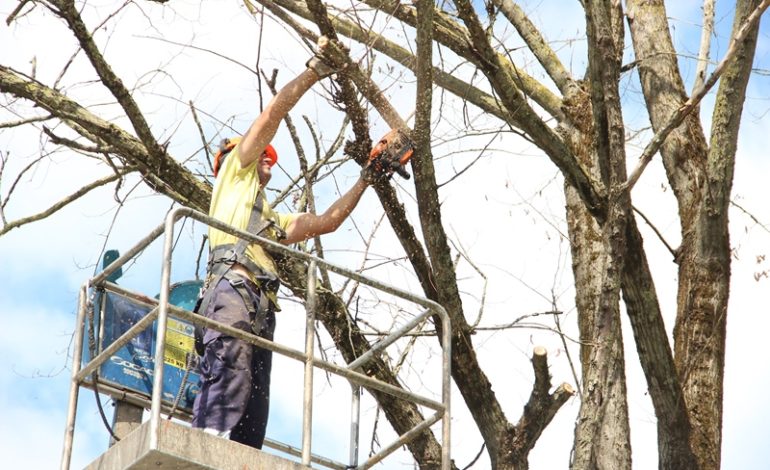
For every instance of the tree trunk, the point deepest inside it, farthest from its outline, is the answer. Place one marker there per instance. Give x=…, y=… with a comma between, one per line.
x=602, y=437
x=701, y=180
x=655, y=355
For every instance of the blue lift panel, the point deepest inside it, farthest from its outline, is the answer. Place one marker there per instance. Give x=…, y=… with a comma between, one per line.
x=131, y=368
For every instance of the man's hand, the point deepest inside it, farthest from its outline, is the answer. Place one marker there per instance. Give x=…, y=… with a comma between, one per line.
x=388, y=156
x=374, y=172
x=318, y=63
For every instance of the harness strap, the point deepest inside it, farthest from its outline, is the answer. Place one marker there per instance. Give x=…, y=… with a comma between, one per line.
x=222, y=258
x=258, y=321
x=257, y=315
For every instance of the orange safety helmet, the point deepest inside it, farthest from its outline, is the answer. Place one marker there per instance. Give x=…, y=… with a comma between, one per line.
x=226, y=145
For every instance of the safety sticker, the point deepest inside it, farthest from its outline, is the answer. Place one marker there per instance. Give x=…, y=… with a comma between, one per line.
x=180, y=340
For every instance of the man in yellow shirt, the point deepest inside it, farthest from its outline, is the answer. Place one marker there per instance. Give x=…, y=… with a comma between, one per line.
x=235, y=376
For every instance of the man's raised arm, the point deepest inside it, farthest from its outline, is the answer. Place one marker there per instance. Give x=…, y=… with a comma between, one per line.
x=263, y=129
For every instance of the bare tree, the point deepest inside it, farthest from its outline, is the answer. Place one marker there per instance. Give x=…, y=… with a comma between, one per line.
x=577, y=122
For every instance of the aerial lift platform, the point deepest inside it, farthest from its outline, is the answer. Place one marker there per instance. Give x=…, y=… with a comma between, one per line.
x=138, y=350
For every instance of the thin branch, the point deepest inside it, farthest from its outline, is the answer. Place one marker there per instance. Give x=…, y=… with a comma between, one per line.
x=563, y=336
x=19, y=176
x=655, y=229
x=751, y=216
x=71, y=198
x=16, y=12
x=476, y=458
x=3, y=161
x=6, y=125
x=209, y=51
x=473, y=162
x=364, y=259
x=464, y=254
x=705, y=44
x=434, y=333
x=202, y=135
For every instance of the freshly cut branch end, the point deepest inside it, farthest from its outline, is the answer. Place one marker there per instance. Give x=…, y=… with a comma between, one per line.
x=565, y=388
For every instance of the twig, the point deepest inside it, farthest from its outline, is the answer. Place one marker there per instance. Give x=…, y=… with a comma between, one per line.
x=15, y=12
x=751, y=216
x=564, y=337
x=475, y=459
x=705, y=43
x=201, y=134
x=316, y=166
x=469, y=165
x=18, y=177
x=461, y=251
x=5, y=125
x=367, y=246
x=200, y=256
x=54, y=208
x=654, y=229
x=3, y=160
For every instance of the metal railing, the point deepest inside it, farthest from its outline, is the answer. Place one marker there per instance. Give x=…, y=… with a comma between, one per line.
x=160, y=312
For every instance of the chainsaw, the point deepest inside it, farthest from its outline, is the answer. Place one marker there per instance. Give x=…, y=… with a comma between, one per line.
x=389, y=156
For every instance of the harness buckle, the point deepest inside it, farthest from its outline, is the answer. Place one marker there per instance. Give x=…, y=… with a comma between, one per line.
x=268, y=283
x=229, y=257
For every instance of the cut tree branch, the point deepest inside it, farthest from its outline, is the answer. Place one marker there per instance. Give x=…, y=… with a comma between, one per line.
x=540, y=408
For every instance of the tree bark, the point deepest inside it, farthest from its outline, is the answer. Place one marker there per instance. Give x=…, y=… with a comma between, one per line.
x=602, y=428
x=602, y=434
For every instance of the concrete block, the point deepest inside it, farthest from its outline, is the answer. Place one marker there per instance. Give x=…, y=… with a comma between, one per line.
x=183, y=448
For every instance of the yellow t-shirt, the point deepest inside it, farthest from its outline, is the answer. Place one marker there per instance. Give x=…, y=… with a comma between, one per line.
x=235, y=191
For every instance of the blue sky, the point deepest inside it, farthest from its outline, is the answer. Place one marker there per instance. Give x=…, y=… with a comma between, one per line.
x=523, y=258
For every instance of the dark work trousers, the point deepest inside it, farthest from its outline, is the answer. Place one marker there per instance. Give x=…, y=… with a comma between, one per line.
x=234, y=375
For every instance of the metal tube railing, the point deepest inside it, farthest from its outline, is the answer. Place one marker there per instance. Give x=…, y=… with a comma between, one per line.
x=77, y=356
x=403, y=439
x=380, y=346
x=295, y=354
x=161, y=308
x=291, y=450
x=355, y=419
x=307, y=401
x=136, y=249
x=160, y=340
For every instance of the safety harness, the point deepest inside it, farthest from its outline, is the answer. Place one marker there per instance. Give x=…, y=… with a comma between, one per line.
x=223, y=257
